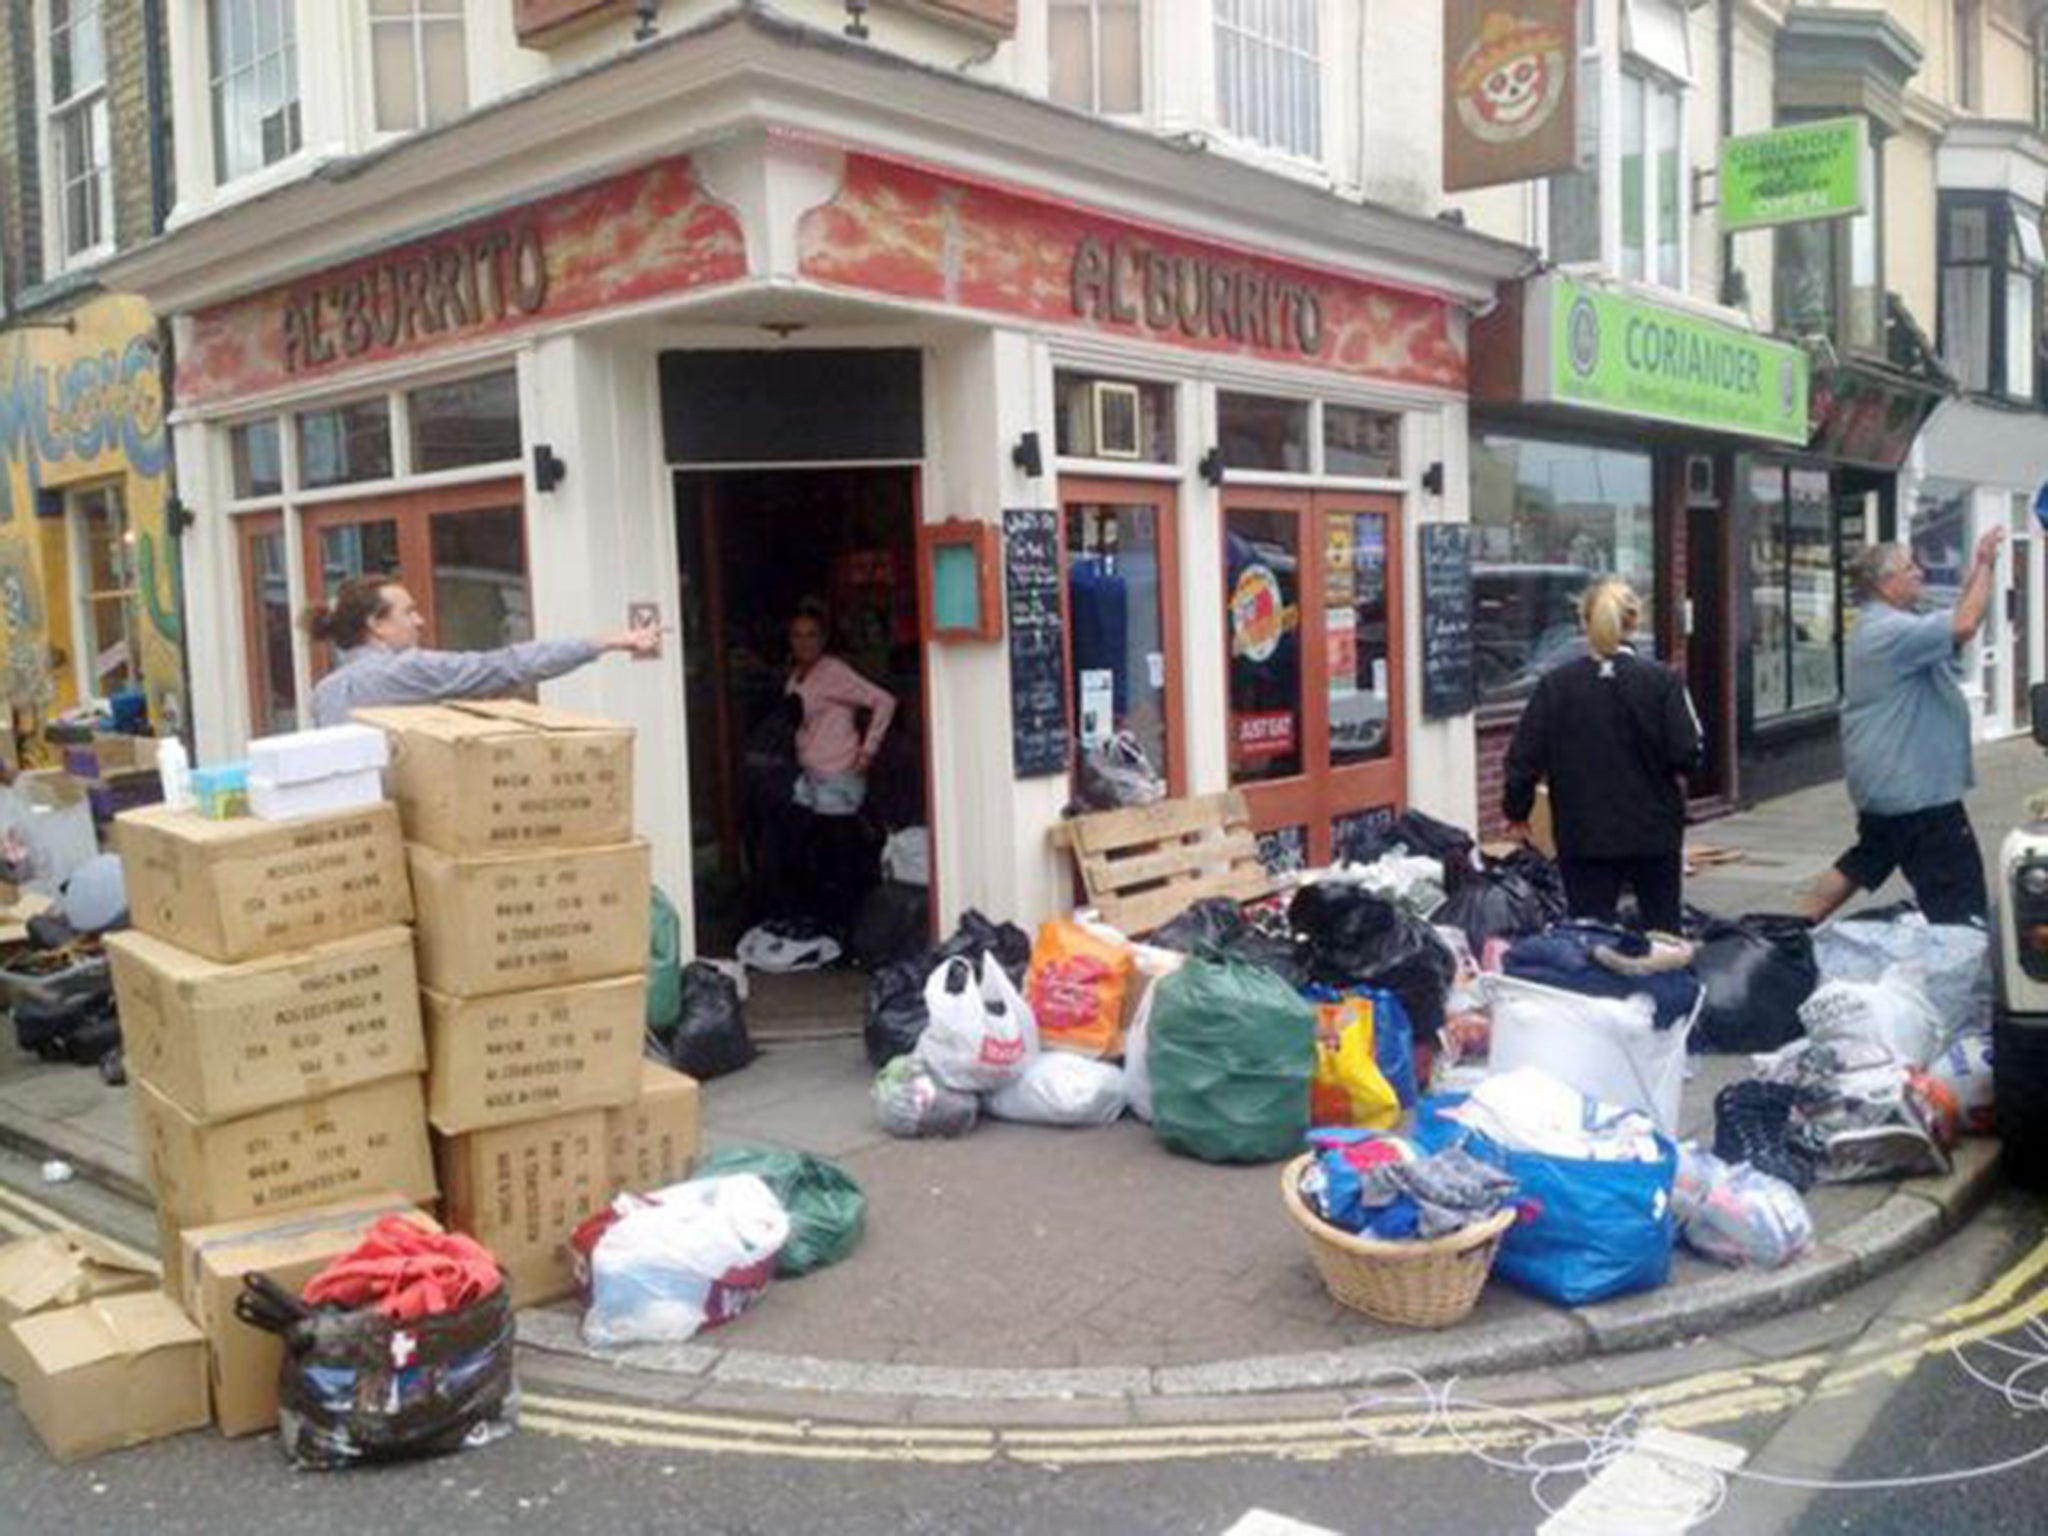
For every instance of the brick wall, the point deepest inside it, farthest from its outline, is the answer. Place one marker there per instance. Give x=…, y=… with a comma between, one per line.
x=22, y=124
x=129, y=120
x=21, y=223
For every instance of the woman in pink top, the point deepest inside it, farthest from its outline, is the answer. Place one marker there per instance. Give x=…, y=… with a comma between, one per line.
x=831, y=749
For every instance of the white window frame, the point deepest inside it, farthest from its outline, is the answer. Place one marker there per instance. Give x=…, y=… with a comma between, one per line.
x=84, y=634
x=417, y=23
x=1326, y=32
x=1094, y=9
x=90, y=102
x=1617, y=44
x=214, y=76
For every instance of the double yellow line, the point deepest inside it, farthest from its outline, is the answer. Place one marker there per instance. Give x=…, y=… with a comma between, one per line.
x=1703, y=1401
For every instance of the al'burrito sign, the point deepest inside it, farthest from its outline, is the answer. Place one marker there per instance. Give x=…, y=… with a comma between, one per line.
x=1605, y=351
x=1510, y=93
x=1794, y=175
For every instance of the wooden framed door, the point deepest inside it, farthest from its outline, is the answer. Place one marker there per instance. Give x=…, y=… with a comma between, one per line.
x=459, y=550
x=1121, y=541
x=1315, y=647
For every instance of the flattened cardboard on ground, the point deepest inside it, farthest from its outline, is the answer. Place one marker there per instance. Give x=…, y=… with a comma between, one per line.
x=505, y=776
x=52, y=1270
x=227, y=1040
x=528, y=1055
x=241, y=889
x=358, y=1142
x=520, y=1190
x=653, y=1141
x=120, y=1371
x=291, y=1249
x=515, y=923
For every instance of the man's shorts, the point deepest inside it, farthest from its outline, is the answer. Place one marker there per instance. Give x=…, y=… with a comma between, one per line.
x=1938, y=851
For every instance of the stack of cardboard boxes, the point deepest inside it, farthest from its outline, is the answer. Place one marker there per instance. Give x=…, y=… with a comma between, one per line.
x=269, y=1009
x=279, y=1016
x=533, y=896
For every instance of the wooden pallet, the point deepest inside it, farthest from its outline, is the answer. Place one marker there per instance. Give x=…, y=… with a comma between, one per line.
x=1145, y=866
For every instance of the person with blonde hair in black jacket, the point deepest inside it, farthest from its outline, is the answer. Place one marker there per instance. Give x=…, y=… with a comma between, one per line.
x=1614, y=735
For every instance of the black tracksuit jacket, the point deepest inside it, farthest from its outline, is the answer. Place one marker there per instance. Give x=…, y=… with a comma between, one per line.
x=1612, y=738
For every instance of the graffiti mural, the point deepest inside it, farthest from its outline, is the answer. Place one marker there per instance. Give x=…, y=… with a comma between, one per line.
x=84, y=410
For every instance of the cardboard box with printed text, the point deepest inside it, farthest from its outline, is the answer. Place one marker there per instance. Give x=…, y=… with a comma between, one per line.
x=241, y=889
x=516, y=923
x=528, y=1055
x=227, y=1040
x=505, y=776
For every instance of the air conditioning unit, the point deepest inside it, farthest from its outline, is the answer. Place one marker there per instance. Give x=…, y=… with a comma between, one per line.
x=1700, y=489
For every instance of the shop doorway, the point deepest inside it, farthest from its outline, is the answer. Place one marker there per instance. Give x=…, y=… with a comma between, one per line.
x=754, y=547
x=1703, y=619
x=1312, y=593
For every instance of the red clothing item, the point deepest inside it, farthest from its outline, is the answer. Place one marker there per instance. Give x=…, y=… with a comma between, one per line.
x=407, y=1273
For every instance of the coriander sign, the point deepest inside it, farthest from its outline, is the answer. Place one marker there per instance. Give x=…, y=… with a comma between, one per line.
x=1602, y=350
x=1794, y=175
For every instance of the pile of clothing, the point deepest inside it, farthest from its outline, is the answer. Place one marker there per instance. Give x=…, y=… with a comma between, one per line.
x=1381, y=1186
x=1837, y=1112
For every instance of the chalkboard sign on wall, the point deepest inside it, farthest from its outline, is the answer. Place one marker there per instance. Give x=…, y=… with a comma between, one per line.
x=1038, y=657
x=1448, y=681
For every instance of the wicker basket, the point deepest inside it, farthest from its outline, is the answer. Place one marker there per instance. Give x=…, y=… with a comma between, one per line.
x=1420, y=1284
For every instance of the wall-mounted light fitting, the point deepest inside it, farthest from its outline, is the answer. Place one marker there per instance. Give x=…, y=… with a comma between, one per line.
x=1028, y=456
x=548, y=471
x=1211, y=467
x=646, y=11
x=857, y=20
x=1433, y=478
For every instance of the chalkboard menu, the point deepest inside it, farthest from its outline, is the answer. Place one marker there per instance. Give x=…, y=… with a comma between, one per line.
x=1448, y=684
x=1038, y=681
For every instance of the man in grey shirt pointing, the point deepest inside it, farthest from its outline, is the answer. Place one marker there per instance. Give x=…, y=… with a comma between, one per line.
x=374, y=627
x=1906, y=740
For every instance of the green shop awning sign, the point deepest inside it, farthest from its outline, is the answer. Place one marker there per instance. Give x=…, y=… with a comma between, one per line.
x=1793, y=175
x=1605, y=351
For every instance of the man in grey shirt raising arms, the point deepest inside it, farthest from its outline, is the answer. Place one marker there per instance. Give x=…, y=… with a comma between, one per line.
x=374, y=627
x=1906, y=740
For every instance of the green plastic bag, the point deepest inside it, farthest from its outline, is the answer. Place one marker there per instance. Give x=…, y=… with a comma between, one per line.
x=1232, y=1055
x=665, y=968
x=827, y=1209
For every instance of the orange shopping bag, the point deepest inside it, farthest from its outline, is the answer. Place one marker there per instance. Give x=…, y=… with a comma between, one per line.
x=1076, y=989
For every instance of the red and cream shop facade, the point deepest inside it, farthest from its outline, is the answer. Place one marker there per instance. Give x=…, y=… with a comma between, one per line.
x=1075, y=431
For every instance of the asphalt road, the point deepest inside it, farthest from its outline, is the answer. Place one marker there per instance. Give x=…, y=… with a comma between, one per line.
x=1865, y=1388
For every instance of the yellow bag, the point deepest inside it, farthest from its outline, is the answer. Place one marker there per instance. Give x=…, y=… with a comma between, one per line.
x=1349, y=1087
x=1076, y=990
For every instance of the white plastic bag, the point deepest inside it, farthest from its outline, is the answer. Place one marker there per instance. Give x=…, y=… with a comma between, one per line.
x=683, y=1259
x=1892, y=1012
x=1607, y=1048
x=981, y=1033
x=1737, y=1215
x=1951, y=962
x=907, y=856
x=1061, y=1088
x=1137, y=1053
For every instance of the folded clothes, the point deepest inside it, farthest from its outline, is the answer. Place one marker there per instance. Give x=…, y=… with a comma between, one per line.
x=407, y=1273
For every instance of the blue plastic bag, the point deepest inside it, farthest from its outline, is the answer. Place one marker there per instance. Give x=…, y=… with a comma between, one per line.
x=1588, y=1230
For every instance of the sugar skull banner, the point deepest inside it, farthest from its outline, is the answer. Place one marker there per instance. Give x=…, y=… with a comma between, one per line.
x=1510, y=93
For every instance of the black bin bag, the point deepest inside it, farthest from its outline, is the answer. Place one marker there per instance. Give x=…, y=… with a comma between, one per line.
x=357, y=1387
x=1755, y=972
x=712, y=1038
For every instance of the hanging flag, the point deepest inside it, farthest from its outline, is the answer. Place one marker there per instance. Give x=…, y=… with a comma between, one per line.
x=1510, y=90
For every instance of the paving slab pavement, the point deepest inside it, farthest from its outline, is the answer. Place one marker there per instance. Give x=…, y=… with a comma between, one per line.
x=1024, y=1265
